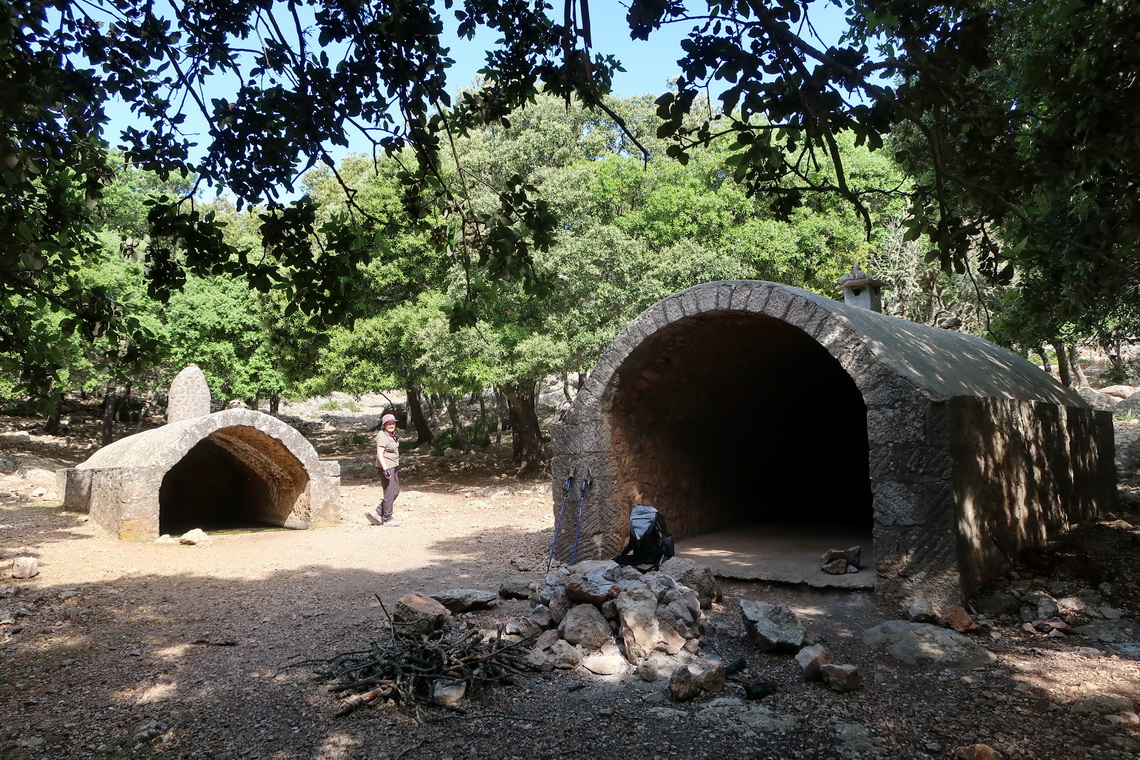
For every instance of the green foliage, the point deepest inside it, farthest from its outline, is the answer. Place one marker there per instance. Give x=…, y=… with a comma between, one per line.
x=1015, y=120
x=332, y=405
x=443, y=441
x=353, y=440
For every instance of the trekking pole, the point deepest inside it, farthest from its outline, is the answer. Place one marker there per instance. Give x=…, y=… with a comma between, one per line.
x=558, y=523
x=589, y=481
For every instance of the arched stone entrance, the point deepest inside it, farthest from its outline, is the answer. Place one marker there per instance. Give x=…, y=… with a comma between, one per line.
x=236, y=477
x=740, y=401
x=733, y=418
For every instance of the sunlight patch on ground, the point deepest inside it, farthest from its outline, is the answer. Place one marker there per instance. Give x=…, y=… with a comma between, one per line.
x=172, y=653
x=156, y=693
x=1069, y=677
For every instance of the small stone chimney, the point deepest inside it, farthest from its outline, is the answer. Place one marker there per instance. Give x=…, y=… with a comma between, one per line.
x=862, y=290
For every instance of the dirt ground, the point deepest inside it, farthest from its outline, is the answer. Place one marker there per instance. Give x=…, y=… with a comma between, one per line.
x=142, y=650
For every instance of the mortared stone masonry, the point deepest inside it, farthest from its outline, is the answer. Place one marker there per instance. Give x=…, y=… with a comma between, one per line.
x=743, y=402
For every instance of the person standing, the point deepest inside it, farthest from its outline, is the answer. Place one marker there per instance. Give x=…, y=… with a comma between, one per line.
x=388, y=462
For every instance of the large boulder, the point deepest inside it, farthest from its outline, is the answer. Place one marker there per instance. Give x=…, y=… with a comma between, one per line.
x=772, y=627
x=923, y=644
x=697, y=577
x=637, y=620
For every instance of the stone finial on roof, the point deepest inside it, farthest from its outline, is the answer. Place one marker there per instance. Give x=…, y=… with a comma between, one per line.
x=189, y=395
x=861, y=289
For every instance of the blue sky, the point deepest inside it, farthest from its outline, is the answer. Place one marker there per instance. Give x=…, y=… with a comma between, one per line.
x=649, y=64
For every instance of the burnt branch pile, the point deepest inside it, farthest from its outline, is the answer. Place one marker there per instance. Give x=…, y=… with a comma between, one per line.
x=439, y=668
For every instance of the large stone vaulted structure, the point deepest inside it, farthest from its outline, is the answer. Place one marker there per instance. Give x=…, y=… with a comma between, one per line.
x=746, y=402
x=236, y=468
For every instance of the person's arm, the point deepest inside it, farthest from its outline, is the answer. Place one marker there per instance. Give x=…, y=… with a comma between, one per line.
x=380, y=461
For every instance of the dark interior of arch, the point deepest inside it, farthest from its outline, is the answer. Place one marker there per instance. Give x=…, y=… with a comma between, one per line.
x=730, y=418
x=237, y=478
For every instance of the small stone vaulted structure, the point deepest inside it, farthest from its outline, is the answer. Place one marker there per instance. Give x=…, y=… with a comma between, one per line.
x=743, y=402
x=234, y=468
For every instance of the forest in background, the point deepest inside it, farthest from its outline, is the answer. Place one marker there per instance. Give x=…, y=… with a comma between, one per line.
x=630, y=232
x=976, y=155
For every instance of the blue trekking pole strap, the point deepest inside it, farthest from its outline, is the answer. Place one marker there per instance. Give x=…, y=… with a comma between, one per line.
x=558, y=523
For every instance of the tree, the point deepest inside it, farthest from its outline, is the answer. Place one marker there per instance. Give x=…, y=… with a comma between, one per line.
x=1015, y=118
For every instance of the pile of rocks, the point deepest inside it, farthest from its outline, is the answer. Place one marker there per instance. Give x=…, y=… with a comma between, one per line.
x=608, y=618
x=1064, y=610
x=841, y=561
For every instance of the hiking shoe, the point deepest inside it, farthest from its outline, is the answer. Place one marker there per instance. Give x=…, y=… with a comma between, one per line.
x=372, y=518
x=390, y=523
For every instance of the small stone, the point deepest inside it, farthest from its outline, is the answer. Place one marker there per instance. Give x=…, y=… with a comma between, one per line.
x=648, y=672
x=841, y=677
x=685, y=683
x=920, y=611
x=584, y=625
x=515, y=586
x=463, y=599
x=835, y=567
x=25, y=567
x=850, y=556
x=416, y=614
x=564, y=655
x=447, y=693
x=541, y=616
x=957, y=618
x=194, y=537
x=604, y=665
x=977, y=752
x=811, y=659
x=547, y=638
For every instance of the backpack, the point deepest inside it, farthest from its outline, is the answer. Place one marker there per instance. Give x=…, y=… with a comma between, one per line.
x=649, y=539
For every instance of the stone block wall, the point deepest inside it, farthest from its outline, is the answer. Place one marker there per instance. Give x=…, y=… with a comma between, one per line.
x=1024, y=471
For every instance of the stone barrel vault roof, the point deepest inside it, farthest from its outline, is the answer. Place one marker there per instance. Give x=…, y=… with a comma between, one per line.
x=942, y=364
x=945, y=363
x=165, y=446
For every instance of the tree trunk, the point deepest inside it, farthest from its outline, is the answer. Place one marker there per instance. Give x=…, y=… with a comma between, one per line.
x=485, y=439
x=144, y=410
x=419, y=420
x=1062, y=365
x=274, y=403
x=1078, y=370
x=123, y=406
x=522, y=399
x=109, y=405
x=499, y=424
x=51, y=427
x=1045, y=365
x=1116, y=359
x=456, y=421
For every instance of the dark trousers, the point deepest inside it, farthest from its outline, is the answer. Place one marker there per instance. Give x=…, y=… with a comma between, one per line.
x=391, y=491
